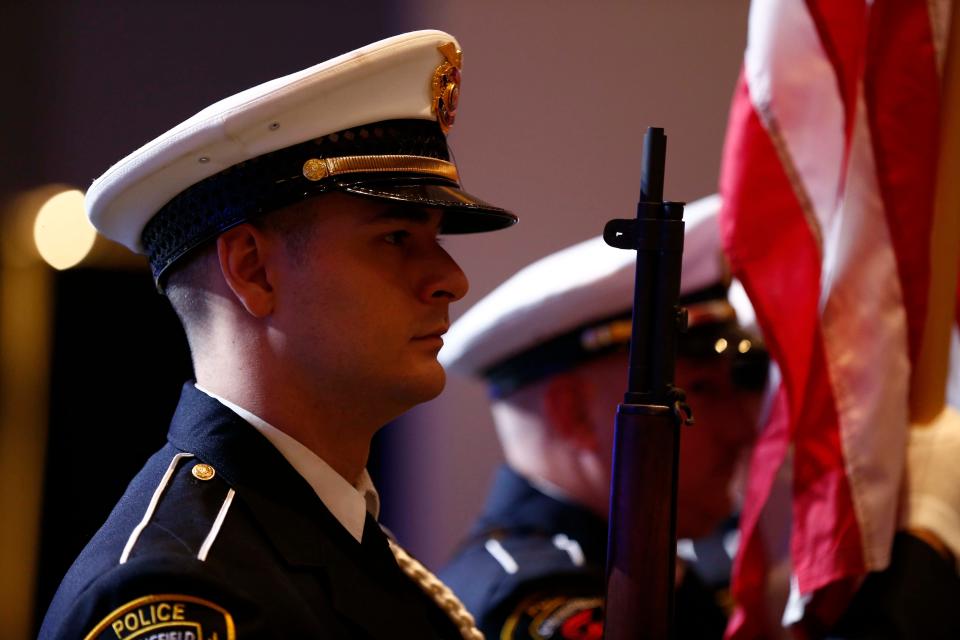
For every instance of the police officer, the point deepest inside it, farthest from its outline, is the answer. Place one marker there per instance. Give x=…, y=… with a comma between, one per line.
x=551, y=343
x=294, y=229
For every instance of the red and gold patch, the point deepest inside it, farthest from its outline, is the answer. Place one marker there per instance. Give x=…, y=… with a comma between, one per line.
x=555, y=618
x=166, y=617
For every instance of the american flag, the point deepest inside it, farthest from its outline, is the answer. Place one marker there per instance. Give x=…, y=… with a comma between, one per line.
x=828, y=182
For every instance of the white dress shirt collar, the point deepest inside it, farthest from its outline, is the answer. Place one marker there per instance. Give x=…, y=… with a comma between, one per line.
x=349, y=504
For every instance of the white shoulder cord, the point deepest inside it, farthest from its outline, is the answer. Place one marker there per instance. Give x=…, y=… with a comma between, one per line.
x=440, y=592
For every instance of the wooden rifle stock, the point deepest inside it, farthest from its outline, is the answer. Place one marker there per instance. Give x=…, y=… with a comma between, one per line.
x=641, y=551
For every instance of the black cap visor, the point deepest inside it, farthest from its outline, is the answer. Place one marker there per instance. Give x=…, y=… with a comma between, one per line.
x=422, y=175
x=464, y=213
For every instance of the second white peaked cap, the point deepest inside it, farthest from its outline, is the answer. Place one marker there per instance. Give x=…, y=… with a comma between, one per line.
x=586, y=283
x=391, y=80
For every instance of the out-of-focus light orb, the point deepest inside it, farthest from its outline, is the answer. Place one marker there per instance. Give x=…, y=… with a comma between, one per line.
x=61, y=230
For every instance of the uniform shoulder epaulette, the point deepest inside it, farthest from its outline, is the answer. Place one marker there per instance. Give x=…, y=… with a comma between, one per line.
x=529, y=556
x=185, y=514
x=155, y=586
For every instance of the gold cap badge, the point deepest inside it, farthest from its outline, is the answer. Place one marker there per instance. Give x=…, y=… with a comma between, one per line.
x=446, y=86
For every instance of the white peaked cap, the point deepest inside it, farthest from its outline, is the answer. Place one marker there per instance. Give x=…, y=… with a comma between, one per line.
x=586, y=283
x=413, y=77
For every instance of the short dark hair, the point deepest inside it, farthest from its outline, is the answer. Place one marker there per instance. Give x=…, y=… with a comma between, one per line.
x=188, y=283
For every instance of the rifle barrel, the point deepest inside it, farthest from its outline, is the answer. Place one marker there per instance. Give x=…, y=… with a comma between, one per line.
x=641, y=550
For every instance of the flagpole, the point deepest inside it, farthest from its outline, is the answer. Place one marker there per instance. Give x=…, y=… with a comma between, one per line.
x=928, y=378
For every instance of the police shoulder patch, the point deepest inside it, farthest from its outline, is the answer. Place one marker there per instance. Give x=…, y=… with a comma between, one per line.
x=166, y=617
x=555, y=617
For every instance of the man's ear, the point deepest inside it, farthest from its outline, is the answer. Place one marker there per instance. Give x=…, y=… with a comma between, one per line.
x=244, y=253
x=566, y=404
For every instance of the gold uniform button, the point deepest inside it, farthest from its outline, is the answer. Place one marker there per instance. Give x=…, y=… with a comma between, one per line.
x=203, y=471
x=315, y=169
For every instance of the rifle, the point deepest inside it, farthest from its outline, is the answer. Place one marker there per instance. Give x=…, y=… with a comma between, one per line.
x=642, y=547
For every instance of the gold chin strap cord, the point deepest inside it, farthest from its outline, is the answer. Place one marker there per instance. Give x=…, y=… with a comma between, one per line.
x=440, y=592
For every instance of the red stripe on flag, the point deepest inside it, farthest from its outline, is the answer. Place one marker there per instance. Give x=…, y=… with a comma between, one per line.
x=774, y=252
x=750, y=619
x=902, y=91
x=842, y=30
x=759, y=205
x=826, y=543
x=769, y=243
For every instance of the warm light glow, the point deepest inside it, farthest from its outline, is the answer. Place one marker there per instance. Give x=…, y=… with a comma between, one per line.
x=744, y=346
x=62, y=232
x=720, y=345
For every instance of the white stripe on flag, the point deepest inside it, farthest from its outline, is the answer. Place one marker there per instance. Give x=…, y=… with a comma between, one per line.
x=865, y=338
x=791, y=79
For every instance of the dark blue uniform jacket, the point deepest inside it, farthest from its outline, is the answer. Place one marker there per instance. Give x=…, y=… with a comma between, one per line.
x=549, y=579
x=281, y=566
